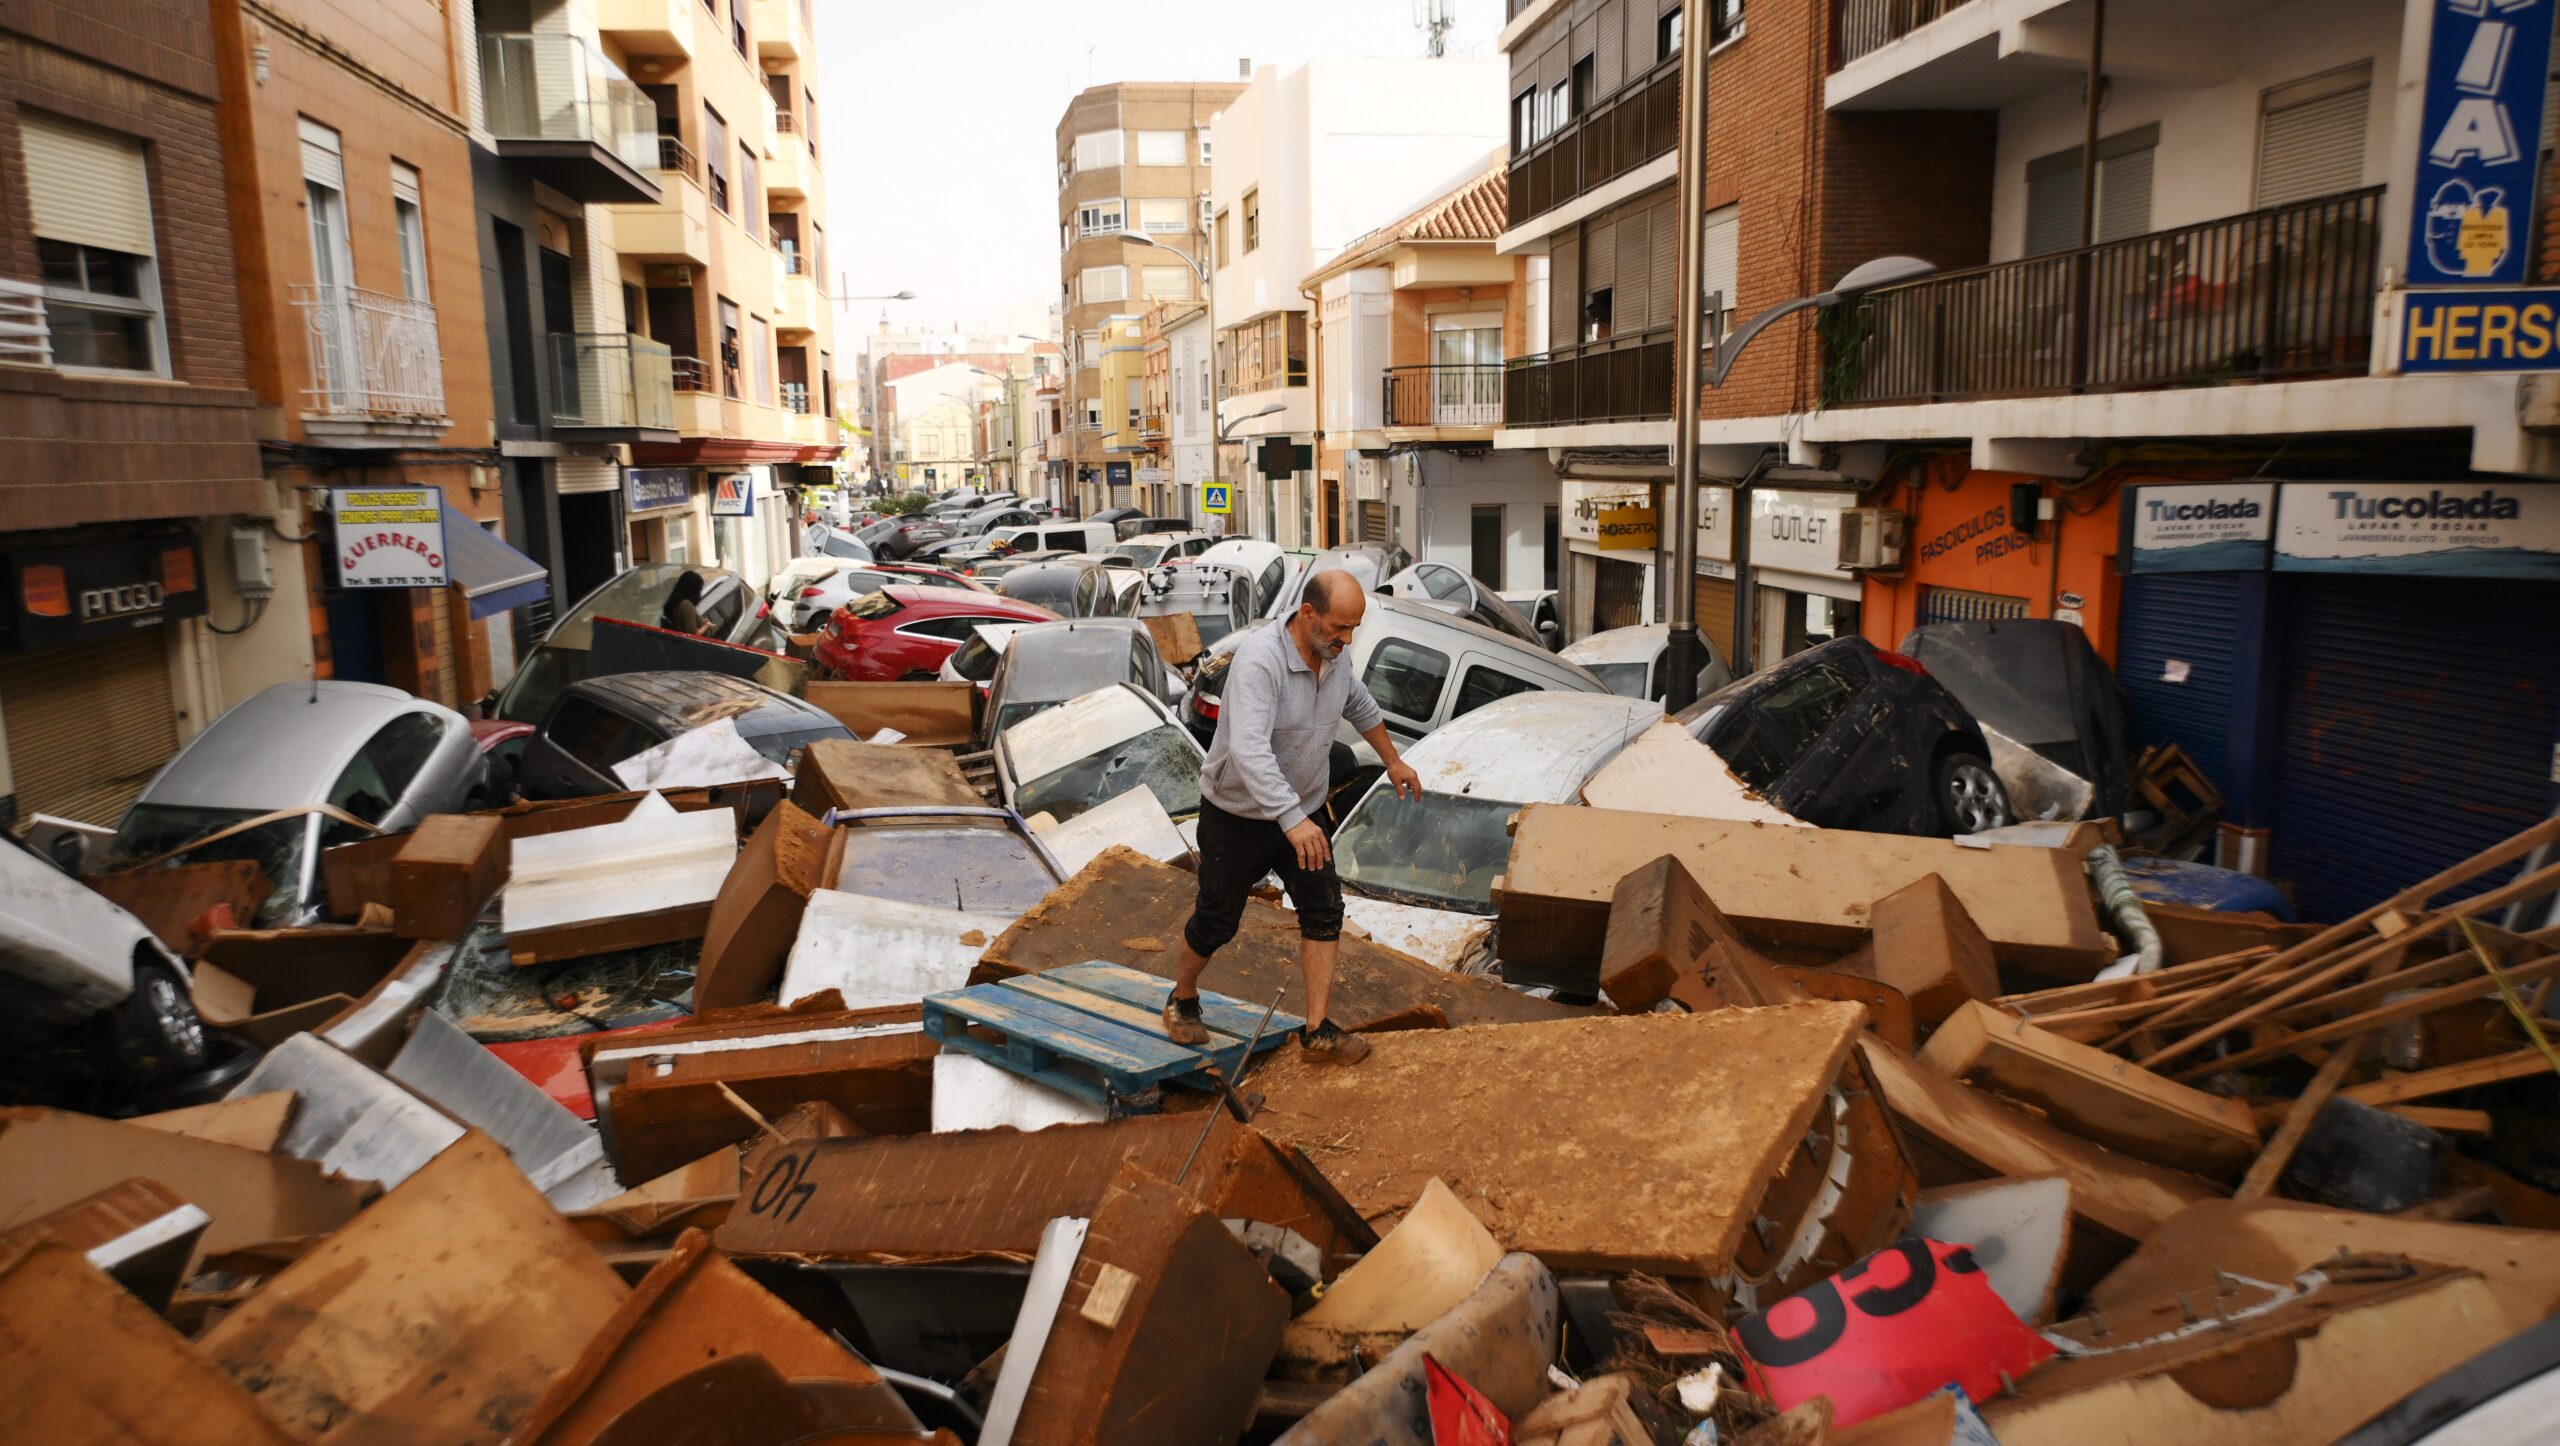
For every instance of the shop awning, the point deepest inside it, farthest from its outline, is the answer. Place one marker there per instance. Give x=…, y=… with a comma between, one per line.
x=494, y=576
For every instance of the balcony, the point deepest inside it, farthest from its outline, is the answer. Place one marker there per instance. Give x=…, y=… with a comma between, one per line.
x=1867, y=26
x=611, y=387
x=1623, y=379
x=2281, y=294
x=782, y=30
x=1620, y=134
x=797, y=306
x=377, y=368
x=677, y=230
x=1461, y=398
x=662, y=28
x=786, y=166
x=569, y=117
x=1980, y=55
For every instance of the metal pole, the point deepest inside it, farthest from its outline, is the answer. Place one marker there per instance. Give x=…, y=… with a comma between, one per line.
x=2089, y=123
x=1684, y=657
x=1209, y=298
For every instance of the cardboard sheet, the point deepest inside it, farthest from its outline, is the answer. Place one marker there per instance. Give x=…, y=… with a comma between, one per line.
x=712, y=754
x=879, y=952
x=53, y=1158
x=1134, y=819
x=588, y=890
x=1667, y=771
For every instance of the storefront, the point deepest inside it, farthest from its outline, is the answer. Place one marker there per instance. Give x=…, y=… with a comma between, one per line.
x=1608, y=579
x=660, y=503
x=87, y=667
x=1802, y=597
x=2347, y=663
x=1978, y=547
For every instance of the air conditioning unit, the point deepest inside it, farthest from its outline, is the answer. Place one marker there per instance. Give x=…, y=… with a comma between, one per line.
x=1871, y=538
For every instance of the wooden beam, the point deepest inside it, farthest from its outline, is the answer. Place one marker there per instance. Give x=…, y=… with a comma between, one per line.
x=2522, y=1064
x=2434, y=971
x=2426, y=1002
x=2158, y=986
x=2452, y=1122
x=2297, y=1123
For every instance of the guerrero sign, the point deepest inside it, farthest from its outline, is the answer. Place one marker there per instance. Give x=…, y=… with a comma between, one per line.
x=2467, y=529
x=2478, y=131
x=389, y=536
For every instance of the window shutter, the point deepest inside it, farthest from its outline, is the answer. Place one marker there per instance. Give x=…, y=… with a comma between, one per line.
x=2124, y=196
x=1635, y=257
x=1661, y=262
x=321, y=160
x=2053, y=209
x=2311, y=137
x=1564, y=317
x=1600, y=263
x=85, y=186
x=1722, y=257
x=404, y=183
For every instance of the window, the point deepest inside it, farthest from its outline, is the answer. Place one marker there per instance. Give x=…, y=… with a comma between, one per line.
x=1599, y=313
x=1585, y=80
x=1786, y=721
x=1524, y=120
x=411, y=223
x=738, y=25
x=1406, y=679
x=760, y=357
x=1559, y=107
x=1204, y=145
x=715, y=157
x=1098, y=150
x=1102, y=283
x=89, y=196
x=1722, y=259
x=1163, y=148
x=382, y=770
x=750, y=203
x=1223, y=251
x=1204, y=215
x=809, y=121
x=732, y=356
x=1203, y=390
x=1093, y=414
x=1725, y=16
x=1165, y=283
x=1483, y=685
x=1252, y=221
x=1164, y=213
x=1102, y=218
x=1137, y=405
x=2311, y=136
x=1666, y=34
x=2124, y=192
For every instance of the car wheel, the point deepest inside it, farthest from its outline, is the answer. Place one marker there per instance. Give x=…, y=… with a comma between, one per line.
x=162, y=1034
x=1970, y=798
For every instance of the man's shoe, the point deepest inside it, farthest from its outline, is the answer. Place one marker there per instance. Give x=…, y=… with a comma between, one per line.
x=1328, y=1044
x=1182, y=1021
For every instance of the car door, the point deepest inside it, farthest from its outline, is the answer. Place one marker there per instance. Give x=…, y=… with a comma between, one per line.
x=1776, y=741
x=1481, y=680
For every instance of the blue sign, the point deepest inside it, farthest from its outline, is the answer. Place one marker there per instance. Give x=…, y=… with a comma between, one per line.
x=646, y=489
x=2480, y=127
x=1118, y=472
x=1216, y=497
x=2480, y=331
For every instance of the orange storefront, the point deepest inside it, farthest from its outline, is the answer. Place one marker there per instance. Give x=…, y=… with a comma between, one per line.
x=1975, y=548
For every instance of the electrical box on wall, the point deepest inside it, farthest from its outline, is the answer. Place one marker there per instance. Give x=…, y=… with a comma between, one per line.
x=250, y=570
x=1871, y=538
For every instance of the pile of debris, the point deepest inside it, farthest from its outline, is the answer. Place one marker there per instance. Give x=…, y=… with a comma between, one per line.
x=1764, y=1134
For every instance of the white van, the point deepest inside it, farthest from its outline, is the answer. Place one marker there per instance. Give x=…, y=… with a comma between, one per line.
x=1053, y=537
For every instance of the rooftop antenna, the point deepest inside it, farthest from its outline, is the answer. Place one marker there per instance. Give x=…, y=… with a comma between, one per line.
x=1434, y=18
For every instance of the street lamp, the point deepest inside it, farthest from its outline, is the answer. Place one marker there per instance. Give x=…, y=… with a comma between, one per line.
x=1209, y=301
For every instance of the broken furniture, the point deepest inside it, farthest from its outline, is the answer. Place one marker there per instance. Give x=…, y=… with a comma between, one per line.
x=1096, y=1031
x=649, y=879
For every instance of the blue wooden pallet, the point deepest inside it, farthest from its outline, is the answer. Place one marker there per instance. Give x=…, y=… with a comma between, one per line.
x=1097, y=1031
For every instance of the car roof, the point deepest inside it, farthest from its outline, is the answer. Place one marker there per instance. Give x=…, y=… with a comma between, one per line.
x=1228, y=549
x=1530, y=747
x=1078, y=728
x=1413, y=615
x=1640, y=644
x=1044, y=657
x=924, y=599
x=282, y=746
x=692, y=699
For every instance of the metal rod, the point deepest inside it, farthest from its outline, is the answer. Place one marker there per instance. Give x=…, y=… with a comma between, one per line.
x=1682, y=657
x=2089, y=123
x=1210, y=1115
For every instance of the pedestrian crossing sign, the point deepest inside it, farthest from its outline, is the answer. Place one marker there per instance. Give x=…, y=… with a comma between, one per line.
x=1213, y=497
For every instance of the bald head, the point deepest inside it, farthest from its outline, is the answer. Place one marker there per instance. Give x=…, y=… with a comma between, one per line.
x=1329, y=612
x=1333, y=590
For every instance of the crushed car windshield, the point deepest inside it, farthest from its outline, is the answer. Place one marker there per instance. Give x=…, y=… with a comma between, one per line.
x=1163, y=761
x=1624, y=679
x=1443, y=849
x=151, y=829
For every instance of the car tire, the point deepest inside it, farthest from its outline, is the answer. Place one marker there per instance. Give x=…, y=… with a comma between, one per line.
x=161, y=1032
x=1970, y=796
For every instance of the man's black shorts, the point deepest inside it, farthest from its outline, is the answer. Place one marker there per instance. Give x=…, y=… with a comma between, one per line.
x=1234, y=855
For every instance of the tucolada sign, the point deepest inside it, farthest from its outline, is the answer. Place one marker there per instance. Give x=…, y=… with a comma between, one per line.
x=2470, y=529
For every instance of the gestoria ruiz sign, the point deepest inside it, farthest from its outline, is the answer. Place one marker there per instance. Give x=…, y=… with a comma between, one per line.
x=389, y=536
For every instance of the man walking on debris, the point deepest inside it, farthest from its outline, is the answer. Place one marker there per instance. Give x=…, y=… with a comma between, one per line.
x=1259, y=790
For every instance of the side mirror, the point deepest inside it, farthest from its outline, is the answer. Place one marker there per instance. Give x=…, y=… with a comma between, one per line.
x=1551, y=635
x=489, y=703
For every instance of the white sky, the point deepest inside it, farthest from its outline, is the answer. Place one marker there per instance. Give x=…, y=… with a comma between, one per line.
x=938, y=121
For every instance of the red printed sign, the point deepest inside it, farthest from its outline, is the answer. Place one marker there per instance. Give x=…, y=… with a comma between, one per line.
x=1887, y=1331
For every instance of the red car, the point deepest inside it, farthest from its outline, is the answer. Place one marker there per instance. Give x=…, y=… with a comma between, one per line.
x=906, y=632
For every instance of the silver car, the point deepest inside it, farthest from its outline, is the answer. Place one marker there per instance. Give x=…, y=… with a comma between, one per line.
x=320, y=754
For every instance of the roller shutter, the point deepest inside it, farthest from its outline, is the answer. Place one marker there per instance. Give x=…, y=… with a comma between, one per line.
x=88, y=725
x=2311, y=137
x=1715, y=613
x=2417, y=729
x=2180, y=625
x=88, y=187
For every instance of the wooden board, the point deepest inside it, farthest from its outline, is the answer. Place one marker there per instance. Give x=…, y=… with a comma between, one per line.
x=253, y=1123
x=2123, y=1197
x=1125, y=908
x=837, y=774
x=438, y=1315
x=928, y=714
x=1177, y=637
x=169, y=899
x=1796, y=885
x=52, y=1158
x=1626, y=1142
x=2095, y=1095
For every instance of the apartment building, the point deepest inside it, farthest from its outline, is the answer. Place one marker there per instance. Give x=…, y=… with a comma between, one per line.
x=727, y=270
x=1159, y=489
x=1309, y=159
x=894, y=432
x=1133, y=161
x=124, y=387
x=2253, y=419
x=1117, y=408
x=347, y=140
x=1191, y=420
x=938, y=428
x=1414, y=322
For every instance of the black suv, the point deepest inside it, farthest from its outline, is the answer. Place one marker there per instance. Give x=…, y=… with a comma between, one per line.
x=1846, y=735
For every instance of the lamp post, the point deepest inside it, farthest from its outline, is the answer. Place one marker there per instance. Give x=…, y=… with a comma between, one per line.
x=1209, y=301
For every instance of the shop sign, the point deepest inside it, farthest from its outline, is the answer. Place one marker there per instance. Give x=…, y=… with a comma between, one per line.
x=1797, y=531
x=389, y=536
x=648, y=489
x=1627, y=529
x=2480, y=331
x=1118, y=472
x=735, y=495
x=2487, y=62
x=2466, y=529
x=63, y=594
x=1150, y=476
x=1585, y=501
x=2210, y=527
x=1715, y=529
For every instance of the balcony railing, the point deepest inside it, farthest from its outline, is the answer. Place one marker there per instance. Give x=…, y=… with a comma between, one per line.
x=1867, y=26
x=611, y=380
x=692, y=374
x=26, y=337
x=1616, y=136
x=673, y=156
x=1468, y=395
x=782, y=122
x=372, y=355
x=2286, y=292
x=788, y=258
x=1624, y=379
x=795, y=398
x=558, y=88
